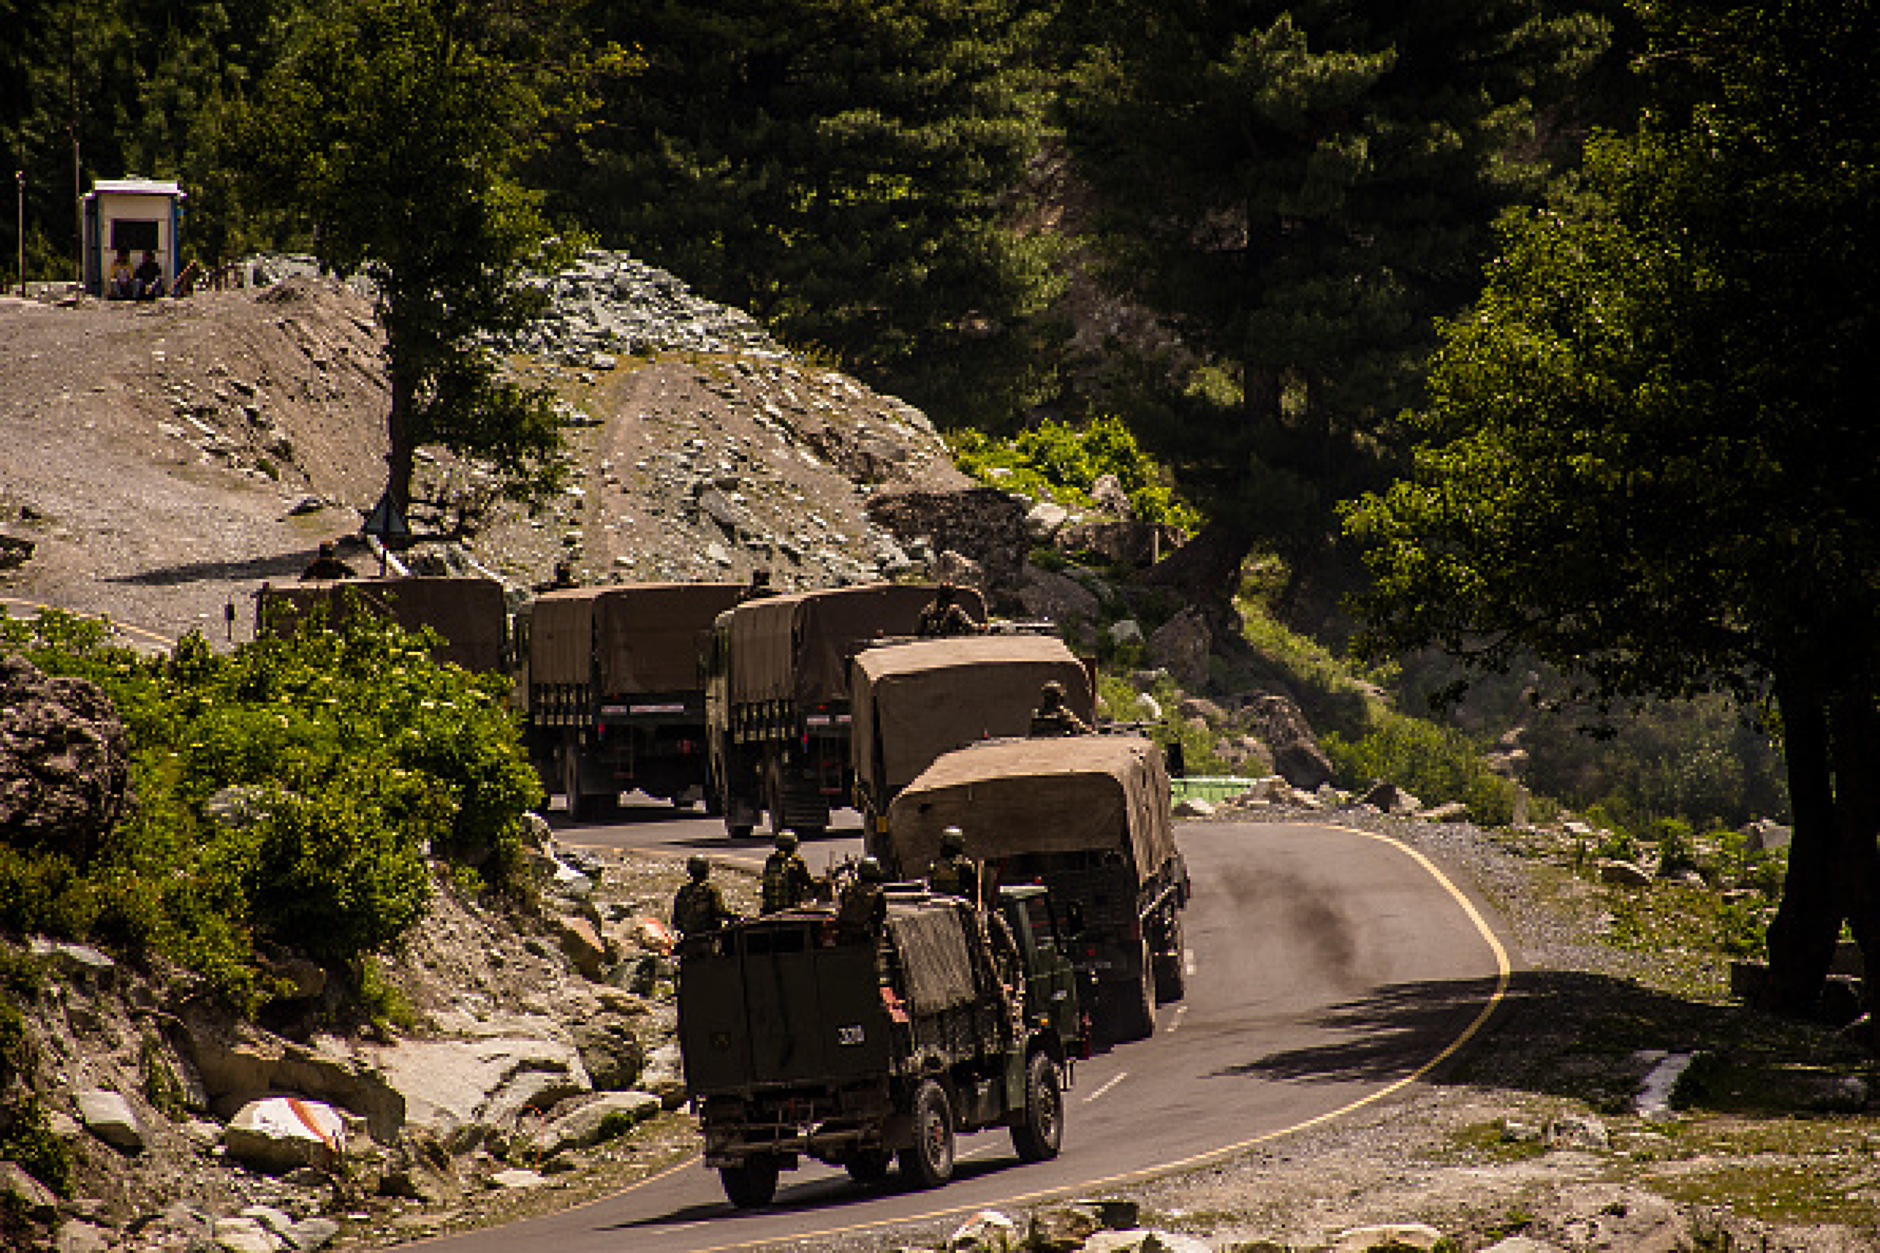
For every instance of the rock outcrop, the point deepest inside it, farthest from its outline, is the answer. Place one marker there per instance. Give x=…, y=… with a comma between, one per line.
x=64, y=761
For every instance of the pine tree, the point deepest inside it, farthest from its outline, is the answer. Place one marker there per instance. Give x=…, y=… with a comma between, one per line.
x=842, y=168
x=1296, y=189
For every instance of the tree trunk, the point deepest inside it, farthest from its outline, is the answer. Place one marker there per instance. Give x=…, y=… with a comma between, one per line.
x=401, y=454
x=1205, y=570
x=1855, y=725
x=1808, y=922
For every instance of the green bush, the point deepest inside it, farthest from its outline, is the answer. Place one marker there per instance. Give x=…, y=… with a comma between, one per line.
x=354, y=756
x=1062, y=462
x=1434, y=764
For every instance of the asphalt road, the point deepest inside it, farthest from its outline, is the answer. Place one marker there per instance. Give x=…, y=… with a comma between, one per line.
x=1328, y=969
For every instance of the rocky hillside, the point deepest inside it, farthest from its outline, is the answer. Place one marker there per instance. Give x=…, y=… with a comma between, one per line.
x=159, y=462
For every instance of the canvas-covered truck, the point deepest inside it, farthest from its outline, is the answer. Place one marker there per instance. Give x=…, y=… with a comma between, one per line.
x=615, y=690
x=803, y=1039
x=469, y=615
x=1086, y=815
x=778, y=697
x=912, y=700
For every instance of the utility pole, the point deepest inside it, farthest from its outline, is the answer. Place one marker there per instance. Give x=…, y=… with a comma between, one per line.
x=19, y=176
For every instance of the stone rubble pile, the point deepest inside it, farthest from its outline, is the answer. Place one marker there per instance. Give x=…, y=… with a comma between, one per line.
x=609, y=303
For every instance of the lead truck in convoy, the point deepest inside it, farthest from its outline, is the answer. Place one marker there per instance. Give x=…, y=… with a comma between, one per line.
x=468, y=614
x=1088, y=817
x=777, y=698
x=802, y=1038
x=615, y=692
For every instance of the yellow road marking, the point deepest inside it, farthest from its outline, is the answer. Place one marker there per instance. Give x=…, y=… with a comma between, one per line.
x=107, y=619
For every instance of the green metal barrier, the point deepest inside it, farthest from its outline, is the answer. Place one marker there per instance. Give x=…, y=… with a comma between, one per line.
x=1207, y=787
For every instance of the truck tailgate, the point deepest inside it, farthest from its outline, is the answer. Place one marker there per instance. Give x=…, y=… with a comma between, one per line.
x=781, y=1011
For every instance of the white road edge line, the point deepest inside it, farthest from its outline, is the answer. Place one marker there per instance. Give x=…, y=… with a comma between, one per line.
x=1175, y=1023
x=1188, y=962
x=1106, y=1087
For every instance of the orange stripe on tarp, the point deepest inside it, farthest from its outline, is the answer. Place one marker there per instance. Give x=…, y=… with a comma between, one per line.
x=308, y=1121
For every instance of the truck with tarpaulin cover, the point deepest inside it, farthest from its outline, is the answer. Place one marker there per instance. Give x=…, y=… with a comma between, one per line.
x=913, y=700
x=469, y=614
x=615, y=690
x=1086, y=815
x=801, y=1037
x=778, y=697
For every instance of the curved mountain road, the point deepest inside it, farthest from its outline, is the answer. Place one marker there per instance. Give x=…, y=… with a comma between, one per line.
x=1329, y=969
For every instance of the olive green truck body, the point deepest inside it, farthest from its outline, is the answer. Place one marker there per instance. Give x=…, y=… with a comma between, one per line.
x=804, y=1040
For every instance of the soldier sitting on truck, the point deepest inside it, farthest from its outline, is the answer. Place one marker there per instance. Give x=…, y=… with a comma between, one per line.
x=953, y=873
x=698, y=906
x=863, y=907
x=1052, y=717
x=945, y=616
x=787, y=880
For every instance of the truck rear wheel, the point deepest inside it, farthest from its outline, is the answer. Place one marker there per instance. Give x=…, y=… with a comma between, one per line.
x=1171, y=975
x=752, y=1183
x=928, y=1162
x=1135, y=1012
x=1040, y=1133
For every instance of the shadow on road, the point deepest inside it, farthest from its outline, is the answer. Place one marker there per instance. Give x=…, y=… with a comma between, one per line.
x=279, y=566
x=1574, y=1034
x=822, y=1195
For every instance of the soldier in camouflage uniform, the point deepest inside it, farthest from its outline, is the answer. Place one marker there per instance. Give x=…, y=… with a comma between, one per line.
x=1052, y=718
x=699, y=906
x=953, y=873
x=863, y=908
x=787, y=880
x=944, y=615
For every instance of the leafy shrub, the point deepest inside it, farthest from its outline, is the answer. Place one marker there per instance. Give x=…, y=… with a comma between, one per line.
x=1435, y=764
x=25, y=1132
x=352, y=756
x=1062, y=462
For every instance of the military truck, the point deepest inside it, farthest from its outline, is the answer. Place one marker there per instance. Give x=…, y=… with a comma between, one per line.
x=804, y=1039
x=777, y=698
x=912, y=700
x=615, y=690
x=469, y=615
x=1087, y=815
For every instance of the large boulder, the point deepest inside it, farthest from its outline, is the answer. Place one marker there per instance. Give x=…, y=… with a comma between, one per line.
x=64, y=761
x=237, y=1063
x=610, y=1050
x=1120, y=540
x=982, y=523
x=1045, y=595
x=491, y=1081
x=1182, y=645
x=282, y=1133
x=1296, y=752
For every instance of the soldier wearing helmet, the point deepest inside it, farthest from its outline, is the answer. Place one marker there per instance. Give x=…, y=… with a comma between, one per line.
x=787, y=880
x=944, y=615
x=1053, y=717
x=864, y=906
x=698, y=905
x=953, y=873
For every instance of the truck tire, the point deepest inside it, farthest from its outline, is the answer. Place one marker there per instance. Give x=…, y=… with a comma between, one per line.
x=752, y=1183
x=1135, y=1010
x=1040, y=1131
x=869, y=1166
x=928, y=1162
x=578, y=809
x=1171, y=972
